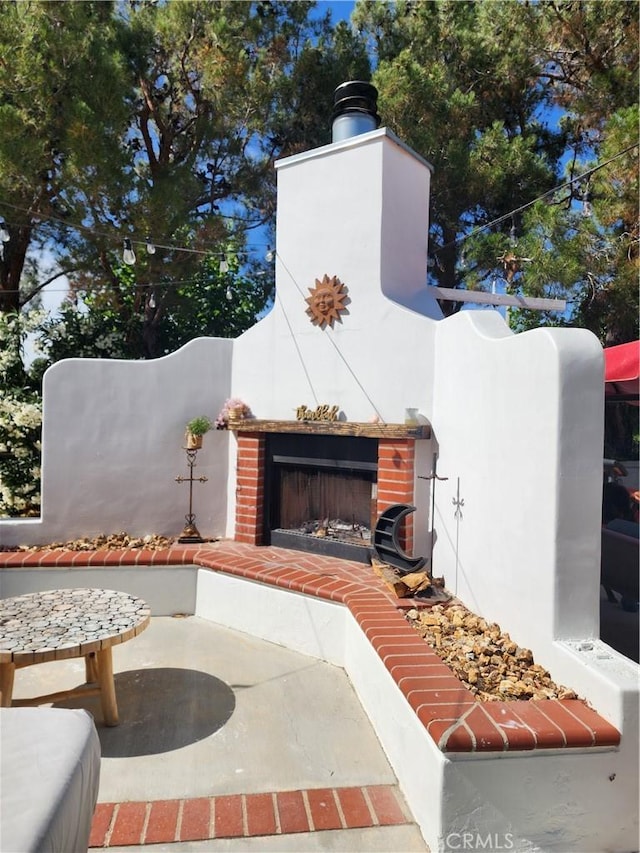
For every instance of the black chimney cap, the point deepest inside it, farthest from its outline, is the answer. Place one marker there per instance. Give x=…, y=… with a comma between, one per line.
x=356, y=95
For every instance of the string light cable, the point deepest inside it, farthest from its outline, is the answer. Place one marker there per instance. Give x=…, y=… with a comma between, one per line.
x=151, y=245
x=142, y=285
x=577, y=180
x=147, y=243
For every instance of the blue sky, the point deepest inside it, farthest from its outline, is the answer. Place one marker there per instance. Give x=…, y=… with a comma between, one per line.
x=340, y=9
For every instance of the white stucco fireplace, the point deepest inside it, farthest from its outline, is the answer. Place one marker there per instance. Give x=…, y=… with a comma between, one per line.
x=515, y=423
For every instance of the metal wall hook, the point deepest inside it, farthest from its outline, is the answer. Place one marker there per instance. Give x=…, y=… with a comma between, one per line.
x=432, y=476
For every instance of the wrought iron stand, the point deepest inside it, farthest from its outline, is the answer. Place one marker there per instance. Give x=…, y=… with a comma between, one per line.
x=190, y=534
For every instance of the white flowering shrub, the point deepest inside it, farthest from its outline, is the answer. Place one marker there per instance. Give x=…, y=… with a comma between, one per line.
x=20, y=420
x=77, y=334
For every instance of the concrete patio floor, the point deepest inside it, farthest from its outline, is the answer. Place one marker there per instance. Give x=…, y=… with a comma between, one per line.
x=210, y=712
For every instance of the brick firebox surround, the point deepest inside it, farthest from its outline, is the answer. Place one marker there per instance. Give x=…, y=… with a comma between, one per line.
x=450, y=713
x=396, y=477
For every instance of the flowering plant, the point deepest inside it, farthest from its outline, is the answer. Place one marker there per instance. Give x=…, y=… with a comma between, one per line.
x=233, y=404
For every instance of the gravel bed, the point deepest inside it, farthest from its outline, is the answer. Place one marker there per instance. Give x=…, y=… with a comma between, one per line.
x=484, y=657
x=111, y=542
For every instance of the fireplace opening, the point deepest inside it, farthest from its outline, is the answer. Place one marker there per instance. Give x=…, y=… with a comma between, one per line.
x=322, y=493
x=325, y=504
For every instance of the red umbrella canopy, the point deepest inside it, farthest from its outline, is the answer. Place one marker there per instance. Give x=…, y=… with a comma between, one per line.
x=622, y=371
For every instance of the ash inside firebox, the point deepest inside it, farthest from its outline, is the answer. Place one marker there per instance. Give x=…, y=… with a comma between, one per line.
x=335, y=530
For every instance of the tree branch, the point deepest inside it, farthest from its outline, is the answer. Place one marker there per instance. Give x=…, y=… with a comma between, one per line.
x=34, y=292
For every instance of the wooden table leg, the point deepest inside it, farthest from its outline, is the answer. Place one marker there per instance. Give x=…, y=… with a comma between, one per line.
x=91, y=668
x=7, y=672
x=107, y=687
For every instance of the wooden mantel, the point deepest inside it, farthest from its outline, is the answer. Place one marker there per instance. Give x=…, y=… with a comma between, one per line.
x=365, y=430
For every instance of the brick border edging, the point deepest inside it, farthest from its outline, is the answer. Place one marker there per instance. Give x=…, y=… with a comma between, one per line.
x=246, y=815
x=451, y=714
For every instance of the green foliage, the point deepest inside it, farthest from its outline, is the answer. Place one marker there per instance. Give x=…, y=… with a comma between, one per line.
x=159, y=119
x=20, y=422
x=61, y=113
x=199, y=425
x=455, y=82
x=165, y=316
x=474, y=87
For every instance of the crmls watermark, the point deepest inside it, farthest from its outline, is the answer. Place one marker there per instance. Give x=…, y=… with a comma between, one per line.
x=479, y=841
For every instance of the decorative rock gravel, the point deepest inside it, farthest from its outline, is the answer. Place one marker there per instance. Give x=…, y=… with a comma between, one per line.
x=487, y=660
x=111, y=542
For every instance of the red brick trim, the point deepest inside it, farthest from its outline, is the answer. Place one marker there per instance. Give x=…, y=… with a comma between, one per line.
x=246, y=815
x=453, y=717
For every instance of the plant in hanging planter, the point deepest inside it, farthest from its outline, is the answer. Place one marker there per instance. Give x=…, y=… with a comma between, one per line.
x=234, y=410
x=196, y=428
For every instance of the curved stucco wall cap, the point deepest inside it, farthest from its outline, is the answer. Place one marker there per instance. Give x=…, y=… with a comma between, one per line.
x=574, y=347
x=199, y=347
x=486, y=324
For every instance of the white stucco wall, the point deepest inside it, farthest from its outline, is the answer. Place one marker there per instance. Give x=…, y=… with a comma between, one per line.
x=357, y=210
x=112, y=446
x=518, y=420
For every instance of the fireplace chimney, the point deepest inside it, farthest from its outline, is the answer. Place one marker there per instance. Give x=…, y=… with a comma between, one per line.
x=354, y=110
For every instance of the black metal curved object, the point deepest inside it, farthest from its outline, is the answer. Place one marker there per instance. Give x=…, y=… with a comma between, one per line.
x=386, y=539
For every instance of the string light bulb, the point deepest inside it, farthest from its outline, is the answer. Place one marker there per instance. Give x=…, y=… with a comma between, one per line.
x=270, y=256
x=587, y=210
x=224, y=266
x=151, y=249
x=128, y=255
x=513, y=239
x=4, y=234
x=229, y=294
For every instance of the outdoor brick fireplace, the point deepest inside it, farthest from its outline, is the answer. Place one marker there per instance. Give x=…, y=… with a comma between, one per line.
x=358, y=469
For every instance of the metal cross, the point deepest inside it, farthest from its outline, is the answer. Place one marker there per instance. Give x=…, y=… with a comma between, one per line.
x=190, y=532
x=458, y=502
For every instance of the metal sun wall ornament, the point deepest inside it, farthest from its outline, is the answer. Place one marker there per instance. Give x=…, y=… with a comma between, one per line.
x=326, y=302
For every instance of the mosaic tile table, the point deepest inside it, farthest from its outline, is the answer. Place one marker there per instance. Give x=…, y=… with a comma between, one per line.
x=68, y=623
